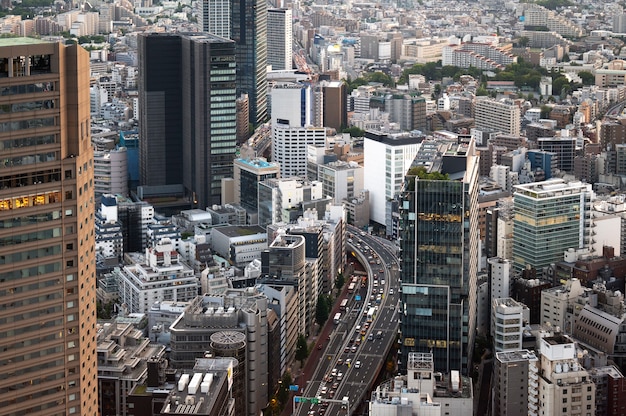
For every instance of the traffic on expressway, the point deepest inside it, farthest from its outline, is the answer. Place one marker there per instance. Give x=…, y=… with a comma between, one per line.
x=365, y=330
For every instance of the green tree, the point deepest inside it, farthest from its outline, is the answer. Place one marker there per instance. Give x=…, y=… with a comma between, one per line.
x=302, y=349
x=558, y=84
x=322, y=310
x=340, y=281
x=354, y=131
x=587, y=77
x=545, y=111
x=523, y=41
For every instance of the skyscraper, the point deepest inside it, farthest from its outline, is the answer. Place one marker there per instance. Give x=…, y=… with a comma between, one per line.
x=279, y=39
x=249, y=31
x=216, y=17
x=47, y=262
x=439, y=239
x=188, y=112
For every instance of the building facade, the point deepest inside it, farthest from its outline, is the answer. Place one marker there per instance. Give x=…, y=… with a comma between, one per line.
x=279, y=39
x=185, y=139
x=47, y=267
x=439, y=256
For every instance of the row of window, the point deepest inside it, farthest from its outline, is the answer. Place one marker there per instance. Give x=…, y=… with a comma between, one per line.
x=9, y=126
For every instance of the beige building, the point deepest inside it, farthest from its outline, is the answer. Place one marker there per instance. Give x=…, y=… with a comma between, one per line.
x=47, y=264
x=423, y=50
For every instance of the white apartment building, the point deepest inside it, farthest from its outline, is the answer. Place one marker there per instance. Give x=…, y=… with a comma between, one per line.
x=279, y=39
x=387, y=158
x=555, y=302
x=159, y=276
x=291, y=104
x=111, y=172
x=216, y=17
x=497, y=115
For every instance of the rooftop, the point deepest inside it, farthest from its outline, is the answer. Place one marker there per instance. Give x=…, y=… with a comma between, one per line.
x=515, y=356
x=21, y=41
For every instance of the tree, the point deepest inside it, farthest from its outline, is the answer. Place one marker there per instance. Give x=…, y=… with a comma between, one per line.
x=545, y=111
x=587, y=77
x=340, y=281
x=523, y=41
x=354, y=131
x=302, y=349
x=322, y=311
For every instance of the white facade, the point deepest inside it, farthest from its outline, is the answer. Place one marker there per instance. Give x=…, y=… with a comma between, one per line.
x=500, y=270
x=111, y=172
x=216, y=17
x=279, y=39
x=340, y=180
x=554, y=303
x=239, y=248
x=507, y=324
x=292, y=104
x=159, y=276
x=385, y=166
x=498, y=116
x=289, y=147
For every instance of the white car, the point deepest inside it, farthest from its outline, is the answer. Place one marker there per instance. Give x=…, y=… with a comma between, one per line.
x=391, y=291
x=357, y=364
x=324, y=390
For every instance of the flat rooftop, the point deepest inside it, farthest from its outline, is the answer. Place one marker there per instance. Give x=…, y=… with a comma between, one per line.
x=21, y=41
x=515, y=356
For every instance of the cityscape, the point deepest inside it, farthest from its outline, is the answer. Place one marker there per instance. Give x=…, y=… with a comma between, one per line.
x=297, y=208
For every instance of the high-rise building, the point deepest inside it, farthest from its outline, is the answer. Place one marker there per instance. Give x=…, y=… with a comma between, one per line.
x=279, y=39
x=439, y=255
x=216, y=17
x=188, y=112
x=507, y=324
x=47, y=264
x=249, y=31
x=247, y=174
x=550, y=217
x=515, y=383
x=289, y=147
x=563, y=147
x=334, y=105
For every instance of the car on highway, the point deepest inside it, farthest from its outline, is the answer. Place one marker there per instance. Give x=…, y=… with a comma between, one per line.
x=391, y=291
x=357, y=364
x=324, y=390
x=348, y=361
x=353, y=349
x=319, y=346
x=339, y=376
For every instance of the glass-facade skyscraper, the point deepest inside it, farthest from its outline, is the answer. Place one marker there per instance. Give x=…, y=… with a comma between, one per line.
x=439, y=239
x=188, y=115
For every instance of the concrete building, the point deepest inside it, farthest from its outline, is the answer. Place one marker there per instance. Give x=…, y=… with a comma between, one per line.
x=507, y=323
x=280, y=200
x=239, y=244
x=216, y=17
x=111, y=172
x=159, y=276
x=340, y=180
x=556, y=301
x=289, y=147
x=423, y=392
x=515, y=384
x=47, y=273
x=234, y=324
x=539, y=207
x=499, y=277
x=184, y=138
x=358, y=209
x=292, y=104
x=334, y=105
x=279, y=39
x=381, y=179
x=439, y=245
x=497, y=115
x=564, y=386
x=610, y=390
x=123, y=355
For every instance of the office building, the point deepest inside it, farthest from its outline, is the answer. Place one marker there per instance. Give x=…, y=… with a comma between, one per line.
x=334, y=105
x=502, y=116
x=515, y=384
x=233, y=324
x=292, y=104
x=249, y=31
x=248, y=173
x=610, y=390
x=550, y=217
x=439, y=255
x=279, y=39
x=289, y=147
x=216, y=17
x=341, y=180
x=280, y=200
x=563, y=148
x=47, y=268
x=499, y=277
x=186, y=138
x=380, y=178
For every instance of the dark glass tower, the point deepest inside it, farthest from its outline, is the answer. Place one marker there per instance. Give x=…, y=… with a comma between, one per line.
x=439, y=258
x=187, y=94
x=249, y=31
